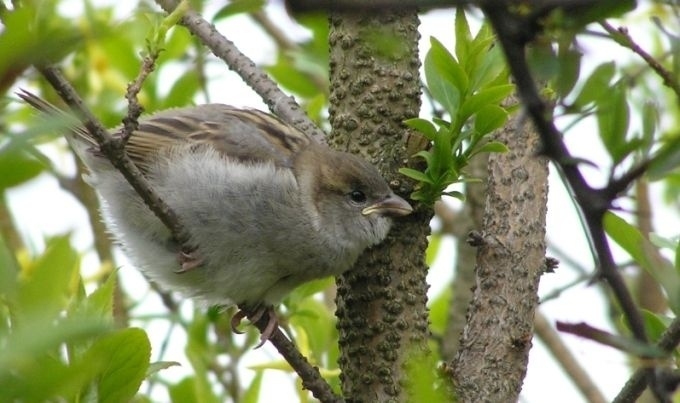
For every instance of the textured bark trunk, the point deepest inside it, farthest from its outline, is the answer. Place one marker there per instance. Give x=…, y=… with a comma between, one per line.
x=494, y=350
x=381, y=302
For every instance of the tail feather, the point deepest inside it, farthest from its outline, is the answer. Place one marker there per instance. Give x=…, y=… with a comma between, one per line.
x=77, y=130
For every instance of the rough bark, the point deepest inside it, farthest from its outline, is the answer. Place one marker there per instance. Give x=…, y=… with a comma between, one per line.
x=381, y=302
x=492, y=360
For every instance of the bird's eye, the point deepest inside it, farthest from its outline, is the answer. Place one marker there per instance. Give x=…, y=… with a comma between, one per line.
x=357, y=196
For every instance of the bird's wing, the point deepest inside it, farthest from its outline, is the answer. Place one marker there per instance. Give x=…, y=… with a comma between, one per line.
x=247, y=135
x=243, y=134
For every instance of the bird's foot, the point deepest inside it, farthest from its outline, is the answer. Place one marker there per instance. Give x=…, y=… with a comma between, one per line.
x=188, y=261
x=254, y=316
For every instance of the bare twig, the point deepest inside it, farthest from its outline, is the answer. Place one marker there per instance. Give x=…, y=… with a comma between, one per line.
x=130, y=122
x=553, y=342
x=637, y=383
x=113, y=149
x=622, y=37
x=286, y=108
x=310, y=376
x=593, y=203
x=285, y=44
x=279, y=103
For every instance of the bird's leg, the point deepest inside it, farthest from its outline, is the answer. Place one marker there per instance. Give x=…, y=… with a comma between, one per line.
x=254, y=315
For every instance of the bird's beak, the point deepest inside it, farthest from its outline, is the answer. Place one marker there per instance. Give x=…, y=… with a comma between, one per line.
x=392, y=205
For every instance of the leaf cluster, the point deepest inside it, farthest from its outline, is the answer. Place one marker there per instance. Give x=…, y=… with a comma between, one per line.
x=470, y=87
x=59, y=343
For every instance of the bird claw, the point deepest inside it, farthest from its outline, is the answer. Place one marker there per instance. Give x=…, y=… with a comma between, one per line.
x=188, y=261
x=236, y=321
x=254, y=317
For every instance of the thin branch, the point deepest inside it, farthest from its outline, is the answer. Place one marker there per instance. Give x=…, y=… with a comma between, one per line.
x=593, y=203
x=623, y=38
x=279, y=103
x=554, y=343
x=309, y=374
x=615, y=187
x=286, y=108
x=287, y=46
x=636, y=384
x=113, y=149
x=130, y=122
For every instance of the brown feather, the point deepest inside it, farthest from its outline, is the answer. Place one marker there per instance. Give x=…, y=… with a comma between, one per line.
x=247, y=135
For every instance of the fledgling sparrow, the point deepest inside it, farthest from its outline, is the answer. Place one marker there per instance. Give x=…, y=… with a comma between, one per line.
x=267, y=207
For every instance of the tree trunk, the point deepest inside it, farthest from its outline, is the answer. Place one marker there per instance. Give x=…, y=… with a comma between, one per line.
x=494, y=350
x=381, y=302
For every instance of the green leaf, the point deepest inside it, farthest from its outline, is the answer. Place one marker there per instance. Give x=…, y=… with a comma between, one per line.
x=41, y=335
x=183, y=391
x=433, y=243
x=422, y=380
x=417, y=175
x=119, y=52
x=424, y=126
x=292, y=78
x=597, y=85
x=492, y=147
x=40, y=378
x=543, y=61
x=628, y=237
x=315, y=107
x=45, y=288
x=182, y=91
x=197, y=349
x=575, y=18
x=485, y=97
x=177, y=42
x=237, y=7
x=252, y=393
x=442, y=91
x=463, y=35
x=310, y=288
x=569, y=61
x=655, y=324
x=650, y=121
x=667, y=159
x=490, y=69
x=99, y=304
x=439, y=310
x=440, y=66
x=9, y=269
x=17, y=167
x=34, y=34
x=456, y=194
x=613, y=118
x=428, y=157
x=121, y=360
x=158, y=366
x=489, y=118
x=318, y=323
x=646, y=255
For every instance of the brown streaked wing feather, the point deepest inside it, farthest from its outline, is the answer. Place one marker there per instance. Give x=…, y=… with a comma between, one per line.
x=246, y=135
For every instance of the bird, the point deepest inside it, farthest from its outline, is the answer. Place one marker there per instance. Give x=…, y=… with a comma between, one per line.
x=268, y=207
